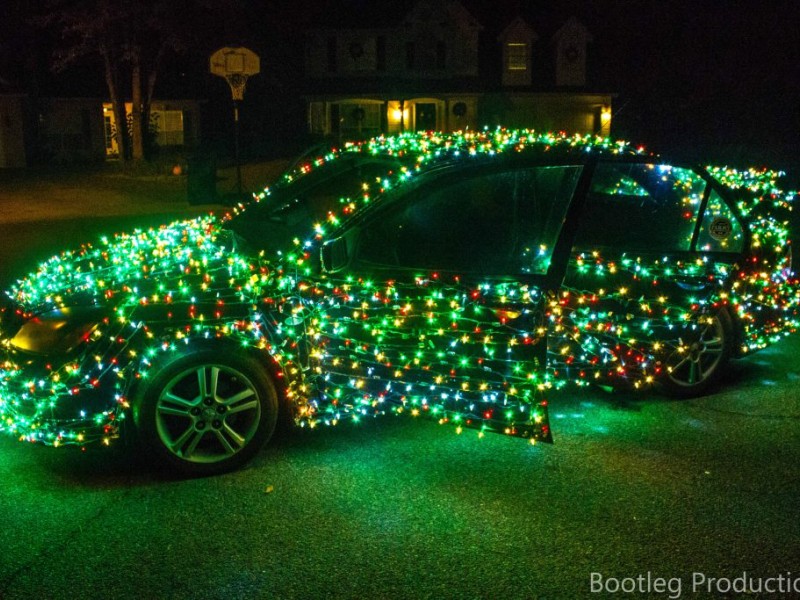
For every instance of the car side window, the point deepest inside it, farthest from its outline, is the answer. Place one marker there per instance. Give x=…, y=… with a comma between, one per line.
x=640, y=208
x=719, y=231
x=501, y=223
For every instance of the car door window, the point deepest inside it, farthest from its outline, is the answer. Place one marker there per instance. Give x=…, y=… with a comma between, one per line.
x=640, y=208
x=719, y=231
x=499, y=223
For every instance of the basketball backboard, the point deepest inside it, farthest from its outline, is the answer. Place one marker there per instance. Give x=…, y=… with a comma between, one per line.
x=235, y=65
x=235, y=61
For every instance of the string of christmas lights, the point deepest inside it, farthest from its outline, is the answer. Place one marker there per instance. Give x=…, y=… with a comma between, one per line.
x=349, y=348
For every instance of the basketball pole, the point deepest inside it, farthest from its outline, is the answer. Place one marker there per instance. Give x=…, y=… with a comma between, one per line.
x=236, y=149
x=235, y=65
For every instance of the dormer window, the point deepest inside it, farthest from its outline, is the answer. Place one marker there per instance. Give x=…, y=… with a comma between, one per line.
x=516, y=56
x=517, y=41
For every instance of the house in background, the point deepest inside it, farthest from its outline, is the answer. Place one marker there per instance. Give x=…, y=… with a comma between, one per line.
x=174, y=125
x=82, y=130
x=49, y=130
x=438, y=68
x=69, y=130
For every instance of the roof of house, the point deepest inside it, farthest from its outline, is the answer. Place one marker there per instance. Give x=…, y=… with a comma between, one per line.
x=544, y=19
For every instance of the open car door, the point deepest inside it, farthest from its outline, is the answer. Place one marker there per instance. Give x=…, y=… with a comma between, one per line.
x=435, y=302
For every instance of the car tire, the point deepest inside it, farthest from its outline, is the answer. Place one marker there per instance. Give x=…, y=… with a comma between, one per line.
x=699, y=366
x=207, y=412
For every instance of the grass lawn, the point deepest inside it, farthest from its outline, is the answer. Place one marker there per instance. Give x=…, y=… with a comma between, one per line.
x=39, y=194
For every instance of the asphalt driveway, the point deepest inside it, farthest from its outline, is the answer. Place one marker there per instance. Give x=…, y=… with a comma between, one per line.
x=398, y=508
x=635, y=485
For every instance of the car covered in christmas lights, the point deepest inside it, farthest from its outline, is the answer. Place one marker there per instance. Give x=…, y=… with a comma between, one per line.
x=455, y=276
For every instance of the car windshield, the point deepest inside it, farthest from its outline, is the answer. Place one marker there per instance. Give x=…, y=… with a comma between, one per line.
x=291, y=209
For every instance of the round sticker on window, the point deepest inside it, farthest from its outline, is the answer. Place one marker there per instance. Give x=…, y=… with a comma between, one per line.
x=720, y=228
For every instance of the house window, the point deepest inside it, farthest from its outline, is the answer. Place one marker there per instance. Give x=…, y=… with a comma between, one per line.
x=332, y=63
x=410, y=56
x=516, y=56
x=359, y=119
x=169, y=128
x=108, y=127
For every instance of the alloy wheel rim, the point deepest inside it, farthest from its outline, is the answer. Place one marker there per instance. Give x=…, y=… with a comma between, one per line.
x=207, y=414
x=696, y=360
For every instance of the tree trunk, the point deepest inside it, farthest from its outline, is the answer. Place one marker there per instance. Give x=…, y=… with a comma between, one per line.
x=117, y=106
x=138, y=132
x=148, y=98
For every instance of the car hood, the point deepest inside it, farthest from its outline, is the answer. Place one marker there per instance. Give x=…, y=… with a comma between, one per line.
x=188, y=264
x=85, y=324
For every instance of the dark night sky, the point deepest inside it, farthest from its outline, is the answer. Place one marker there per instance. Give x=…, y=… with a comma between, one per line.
x=700, y=76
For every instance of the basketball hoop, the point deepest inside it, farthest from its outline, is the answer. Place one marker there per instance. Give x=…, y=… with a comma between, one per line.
x=236, y=65
x=238, y=83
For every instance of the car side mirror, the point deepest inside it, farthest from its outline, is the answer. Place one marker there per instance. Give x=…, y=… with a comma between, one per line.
x=335, y=255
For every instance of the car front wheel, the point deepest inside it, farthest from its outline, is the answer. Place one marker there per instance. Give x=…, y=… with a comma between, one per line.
x=207, y=412
x=700, y=358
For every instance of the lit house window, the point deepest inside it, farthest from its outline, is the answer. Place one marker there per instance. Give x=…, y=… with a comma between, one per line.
x=110, y=134
x=169, y=131
x=516, y=56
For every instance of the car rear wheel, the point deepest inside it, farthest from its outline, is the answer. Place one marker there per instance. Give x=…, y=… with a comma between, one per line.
x=207, y=412
x=700, y=358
